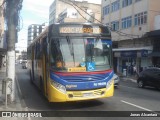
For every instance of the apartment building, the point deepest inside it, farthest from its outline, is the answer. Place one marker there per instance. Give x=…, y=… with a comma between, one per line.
x=131, y=22
x=33, y=31
x=67, y=11
x=2, y=36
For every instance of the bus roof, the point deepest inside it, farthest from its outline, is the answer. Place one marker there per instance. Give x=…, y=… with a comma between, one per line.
x=74, y=29
x=41, y=36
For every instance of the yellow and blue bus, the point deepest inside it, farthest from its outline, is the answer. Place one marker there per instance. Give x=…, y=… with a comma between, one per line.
x=72, y=62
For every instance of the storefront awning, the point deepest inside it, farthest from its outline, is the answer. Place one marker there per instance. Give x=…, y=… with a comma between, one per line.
x=155, y=33
x=150, y=48
x=154, y=54
x=132, y=52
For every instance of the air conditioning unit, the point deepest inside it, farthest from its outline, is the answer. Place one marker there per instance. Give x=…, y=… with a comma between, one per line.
x=157, y=22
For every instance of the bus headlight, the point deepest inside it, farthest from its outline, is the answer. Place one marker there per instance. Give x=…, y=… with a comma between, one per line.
x=59, y=86
x=109, y=83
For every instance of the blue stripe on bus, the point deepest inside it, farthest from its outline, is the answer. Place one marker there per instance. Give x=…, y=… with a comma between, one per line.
x=82, y=85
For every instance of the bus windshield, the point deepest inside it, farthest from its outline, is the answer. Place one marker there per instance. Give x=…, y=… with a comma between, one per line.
x=80, y=54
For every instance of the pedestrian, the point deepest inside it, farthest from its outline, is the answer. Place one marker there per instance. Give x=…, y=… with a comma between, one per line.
x=134, y=70
x=4, y=64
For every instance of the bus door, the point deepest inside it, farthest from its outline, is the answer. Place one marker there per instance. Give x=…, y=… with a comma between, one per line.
x=32, y=62
x=45, y=65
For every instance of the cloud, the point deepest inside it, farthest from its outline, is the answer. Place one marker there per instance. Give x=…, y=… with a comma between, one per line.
x=37, y=3
x=36, y=12
x=29, y=22
x=36, y=9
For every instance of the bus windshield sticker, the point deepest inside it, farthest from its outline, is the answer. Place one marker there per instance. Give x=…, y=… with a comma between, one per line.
x=90, y=66
x=82, y=64
x=77, y=69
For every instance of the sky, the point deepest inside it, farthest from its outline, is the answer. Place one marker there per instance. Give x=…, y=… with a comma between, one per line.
x=35, y=12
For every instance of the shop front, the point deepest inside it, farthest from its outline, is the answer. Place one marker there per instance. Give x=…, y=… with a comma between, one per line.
x=2, y=56
x=129, y=61
x=155, y=55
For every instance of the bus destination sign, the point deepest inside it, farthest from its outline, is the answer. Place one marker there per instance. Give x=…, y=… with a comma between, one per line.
x=79, y=29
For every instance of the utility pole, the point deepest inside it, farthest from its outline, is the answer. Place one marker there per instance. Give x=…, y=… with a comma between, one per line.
x=12, y=12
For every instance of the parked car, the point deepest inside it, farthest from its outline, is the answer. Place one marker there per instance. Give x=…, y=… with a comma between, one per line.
x=149, y=77
x=24, y=64
x=116, y=80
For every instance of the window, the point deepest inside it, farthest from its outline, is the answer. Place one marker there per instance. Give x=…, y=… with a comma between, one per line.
x=74, y=14
x=106, y=10
x=75, y=52
x=115, y=25
x=37, y=50
x=116, y=5
x=126, y=22
x=107, y=24
x=140, y=18
x=126, y=3
x=29, y=53
x=137, y=1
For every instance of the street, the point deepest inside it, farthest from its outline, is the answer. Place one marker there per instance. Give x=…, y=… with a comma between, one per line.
x=127, y=97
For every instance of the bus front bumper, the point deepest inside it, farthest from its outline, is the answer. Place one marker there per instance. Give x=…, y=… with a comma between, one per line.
x=56, y=96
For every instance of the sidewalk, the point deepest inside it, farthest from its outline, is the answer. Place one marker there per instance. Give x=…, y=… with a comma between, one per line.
x=16, y=105
x=2, y=76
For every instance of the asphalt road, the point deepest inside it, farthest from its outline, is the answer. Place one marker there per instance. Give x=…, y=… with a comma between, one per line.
x=128, y=97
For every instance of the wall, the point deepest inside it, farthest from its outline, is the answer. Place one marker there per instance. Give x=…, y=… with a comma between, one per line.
x=130, y=10
x=96, y=8
x=154, y=10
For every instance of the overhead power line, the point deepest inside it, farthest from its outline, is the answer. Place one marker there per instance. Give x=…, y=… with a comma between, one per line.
x=116, y=31
x=3, y=3
x=119, y=32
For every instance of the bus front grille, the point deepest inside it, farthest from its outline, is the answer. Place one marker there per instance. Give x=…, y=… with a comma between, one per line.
x=84, y=78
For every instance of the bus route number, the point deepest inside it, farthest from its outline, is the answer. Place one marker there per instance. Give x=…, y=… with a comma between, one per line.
x=96, y=30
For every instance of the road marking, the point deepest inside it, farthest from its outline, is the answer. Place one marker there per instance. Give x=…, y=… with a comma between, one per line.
x=137, y=106
x=129, y=79
x=127, y=87
x=26, y=109
x=140, y=107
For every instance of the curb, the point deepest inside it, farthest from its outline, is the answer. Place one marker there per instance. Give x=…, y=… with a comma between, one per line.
x=18, y=88
x=20, y=96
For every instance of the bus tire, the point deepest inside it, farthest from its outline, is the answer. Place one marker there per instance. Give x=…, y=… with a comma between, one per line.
x=31, y=79
x=41, y=86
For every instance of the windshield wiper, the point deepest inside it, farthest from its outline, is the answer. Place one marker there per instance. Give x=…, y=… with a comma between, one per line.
x=71, y=48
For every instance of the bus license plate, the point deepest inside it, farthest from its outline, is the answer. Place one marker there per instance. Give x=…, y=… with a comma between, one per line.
x=87, y=94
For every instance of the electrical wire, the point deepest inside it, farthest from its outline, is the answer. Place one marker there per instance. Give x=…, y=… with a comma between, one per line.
x=118, y=32
x=3, y=3
x=75, y=8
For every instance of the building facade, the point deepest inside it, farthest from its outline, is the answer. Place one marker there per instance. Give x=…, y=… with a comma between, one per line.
x=2, y=36
x=33, y=31
x=130, y=21
x=71, y=13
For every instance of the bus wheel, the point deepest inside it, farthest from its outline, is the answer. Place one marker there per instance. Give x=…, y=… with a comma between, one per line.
x=31, y=79
x=41, y=86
